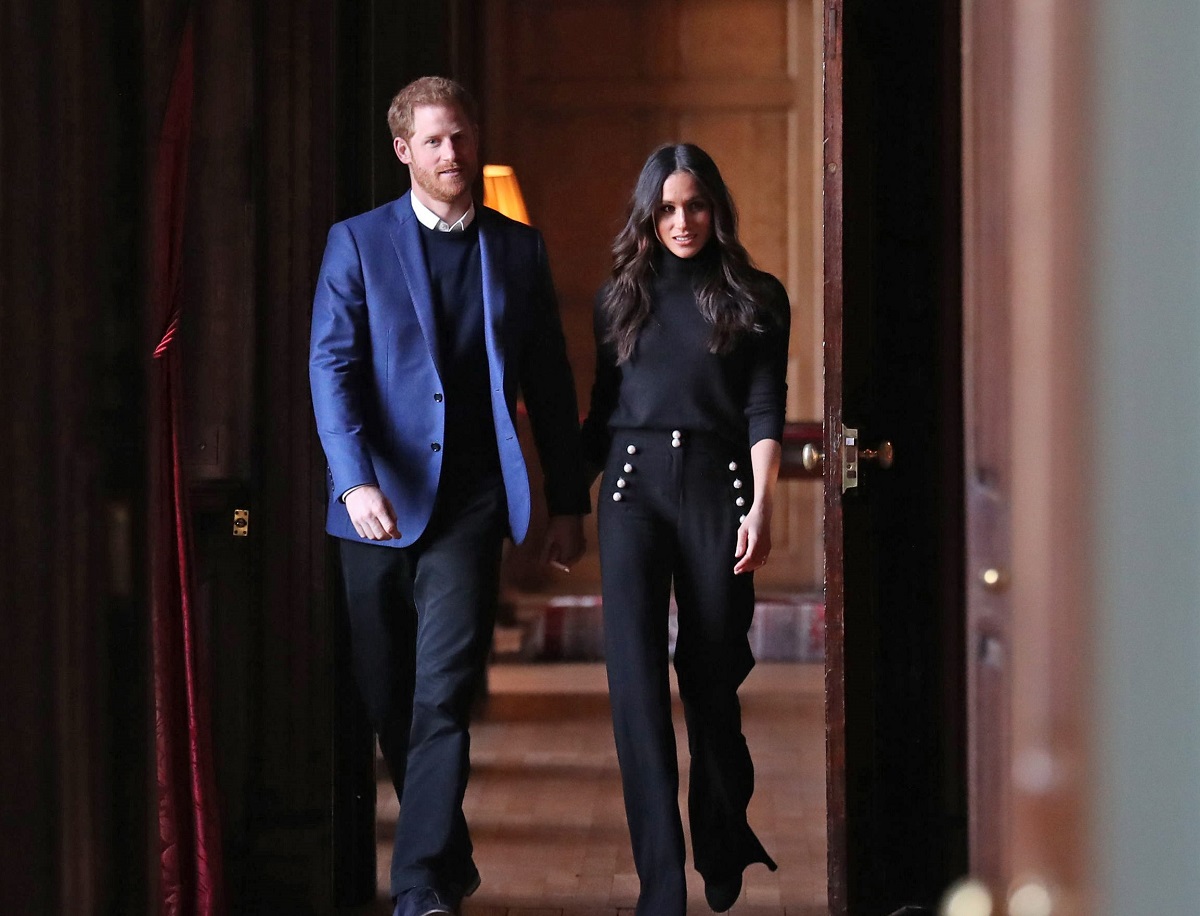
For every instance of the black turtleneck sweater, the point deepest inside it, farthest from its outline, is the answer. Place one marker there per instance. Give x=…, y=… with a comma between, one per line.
x=672, y=381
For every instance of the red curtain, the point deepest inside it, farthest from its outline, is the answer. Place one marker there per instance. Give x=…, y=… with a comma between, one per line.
x=189, y=831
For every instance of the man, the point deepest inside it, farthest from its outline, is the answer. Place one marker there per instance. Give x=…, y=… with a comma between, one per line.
x=430, y=314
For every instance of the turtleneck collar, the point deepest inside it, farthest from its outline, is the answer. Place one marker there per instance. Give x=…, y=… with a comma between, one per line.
x=674, y=269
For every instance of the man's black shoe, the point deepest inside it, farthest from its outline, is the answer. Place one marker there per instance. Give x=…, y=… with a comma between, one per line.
x=421, y=901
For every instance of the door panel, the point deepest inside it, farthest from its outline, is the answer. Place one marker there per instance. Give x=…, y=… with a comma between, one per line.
x=1027, y=531
x=894, y=543
x=987, y=129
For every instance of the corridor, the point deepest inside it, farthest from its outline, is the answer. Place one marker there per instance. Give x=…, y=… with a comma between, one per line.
x=544, y=801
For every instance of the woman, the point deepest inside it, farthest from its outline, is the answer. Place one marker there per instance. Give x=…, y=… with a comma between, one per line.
x=686, y=421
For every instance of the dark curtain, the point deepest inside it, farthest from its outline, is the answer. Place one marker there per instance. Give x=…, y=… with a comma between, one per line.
x=189, y=831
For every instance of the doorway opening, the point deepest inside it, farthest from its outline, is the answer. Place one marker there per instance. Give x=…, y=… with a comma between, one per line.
x=575, y=97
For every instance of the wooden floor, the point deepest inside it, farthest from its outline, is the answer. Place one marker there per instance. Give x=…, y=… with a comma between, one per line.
x=544, y=800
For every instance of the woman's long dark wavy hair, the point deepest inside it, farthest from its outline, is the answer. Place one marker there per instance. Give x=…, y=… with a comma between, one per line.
x=729, y=291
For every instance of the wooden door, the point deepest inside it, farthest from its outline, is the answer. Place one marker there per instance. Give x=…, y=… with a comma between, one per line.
x=1024, y=180
x=893, y=541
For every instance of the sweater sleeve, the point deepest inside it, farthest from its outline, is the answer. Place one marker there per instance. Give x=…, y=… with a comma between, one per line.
x=597, y=437
x=766, y=394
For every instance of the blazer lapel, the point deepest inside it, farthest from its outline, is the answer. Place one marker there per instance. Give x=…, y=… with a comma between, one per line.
x=406, y=239
x=491, y=255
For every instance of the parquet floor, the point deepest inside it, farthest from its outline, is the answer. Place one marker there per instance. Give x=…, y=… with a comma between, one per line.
x=544, y=801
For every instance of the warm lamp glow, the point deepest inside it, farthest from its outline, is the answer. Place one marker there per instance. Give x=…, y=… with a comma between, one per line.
x=501, y=192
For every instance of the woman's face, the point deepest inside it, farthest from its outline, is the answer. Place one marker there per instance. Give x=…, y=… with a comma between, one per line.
x=683, y=220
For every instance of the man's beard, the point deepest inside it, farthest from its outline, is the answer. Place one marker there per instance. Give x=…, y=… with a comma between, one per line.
x=443, y=189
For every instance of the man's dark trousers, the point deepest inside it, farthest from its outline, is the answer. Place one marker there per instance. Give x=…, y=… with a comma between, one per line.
x=421, y=620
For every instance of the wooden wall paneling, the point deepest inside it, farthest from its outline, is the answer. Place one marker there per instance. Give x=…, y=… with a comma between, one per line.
x=748, y=147
x=219, y=272
x=293, y=732
x=74, y=766
x=262, y=191
x=724, y=39
x=217, y=341
x=550, y=49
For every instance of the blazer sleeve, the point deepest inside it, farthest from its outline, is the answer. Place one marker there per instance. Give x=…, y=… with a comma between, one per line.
x=596, y=435
x=549, y=391
x=339, y=363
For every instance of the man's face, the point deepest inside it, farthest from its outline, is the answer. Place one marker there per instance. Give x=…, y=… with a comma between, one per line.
x=442, y=154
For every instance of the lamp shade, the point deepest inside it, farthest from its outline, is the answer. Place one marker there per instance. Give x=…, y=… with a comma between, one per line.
x=501, y=192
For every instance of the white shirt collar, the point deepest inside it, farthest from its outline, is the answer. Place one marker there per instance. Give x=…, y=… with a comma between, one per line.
x=431, y=220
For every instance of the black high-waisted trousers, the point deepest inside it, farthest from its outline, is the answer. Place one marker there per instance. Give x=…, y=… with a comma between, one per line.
x=669, y=512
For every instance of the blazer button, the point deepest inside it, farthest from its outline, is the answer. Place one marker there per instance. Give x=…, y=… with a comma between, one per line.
x=436, y=446
x=438, y=397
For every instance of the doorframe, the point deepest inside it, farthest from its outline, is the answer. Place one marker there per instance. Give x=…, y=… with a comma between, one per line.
x=835, y=650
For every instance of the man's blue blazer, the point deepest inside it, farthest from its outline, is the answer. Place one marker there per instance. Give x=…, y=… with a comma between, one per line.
x=376, y=377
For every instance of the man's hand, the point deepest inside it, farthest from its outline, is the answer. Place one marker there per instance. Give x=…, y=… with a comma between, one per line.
x=564, y=542
x=372, y=514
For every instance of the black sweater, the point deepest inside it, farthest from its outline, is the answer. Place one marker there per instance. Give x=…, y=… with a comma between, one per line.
x=672, y=381
x=456, y=280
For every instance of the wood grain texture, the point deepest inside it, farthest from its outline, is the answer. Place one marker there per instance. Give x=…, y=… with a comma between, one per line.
x=833, y=18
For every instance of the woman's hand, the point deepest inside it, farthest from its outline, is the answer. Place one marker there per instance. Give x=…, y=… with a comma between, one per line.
x=754, y=535
x=753, y=540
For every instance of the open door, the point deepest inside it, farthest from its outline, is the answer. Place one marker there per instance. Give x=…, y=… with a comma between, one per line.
x=892, y=457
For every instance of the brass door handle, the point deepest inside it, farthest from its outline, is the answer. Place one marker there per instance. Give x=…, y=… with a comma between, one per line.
x=812, y=459
x=885, y=454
